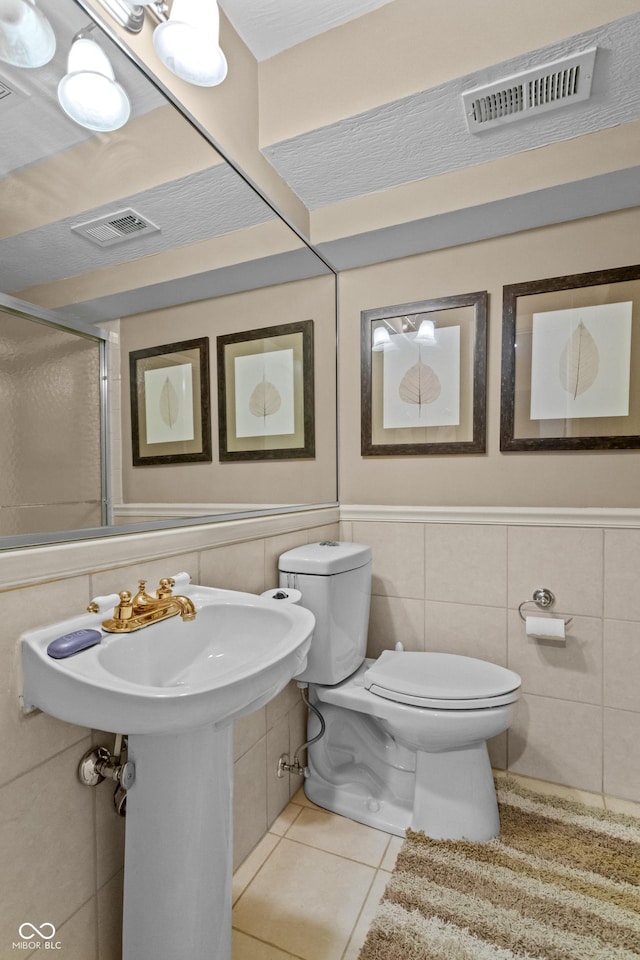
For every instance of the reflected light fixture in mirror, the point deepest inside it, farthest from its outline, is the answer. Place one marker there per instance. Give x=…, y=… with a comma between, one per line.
x=26, y=36
x=381, y=339
x=427, y=332
x=89, y=92
x=186, y=42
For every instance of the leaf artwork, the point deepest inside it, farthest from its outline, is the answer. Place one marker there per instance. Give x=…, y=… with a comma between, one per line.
x=169, y=404
x=420, y=384
x=265, y=399
x=579, y=362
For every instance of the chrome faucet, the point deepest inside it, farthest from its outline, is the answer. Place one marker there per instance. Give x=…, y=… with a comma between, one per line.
x=134, y=613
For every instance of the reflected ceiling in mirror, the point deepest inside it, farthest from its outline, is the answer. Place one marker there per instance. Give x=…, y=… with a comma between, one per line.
x=140, y=224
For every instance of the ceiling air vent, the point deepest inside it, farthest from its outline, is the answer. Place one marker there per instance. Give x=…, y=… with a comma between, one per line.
x=529, y=93
x=115, y=228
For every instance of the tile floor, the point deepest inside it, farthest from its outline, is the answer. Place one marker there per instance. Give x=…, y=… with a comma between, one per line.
x=310, y=888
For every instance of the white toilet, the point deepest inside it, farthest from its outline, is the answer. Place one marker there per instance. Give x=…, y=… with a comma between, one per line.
x=405, y=738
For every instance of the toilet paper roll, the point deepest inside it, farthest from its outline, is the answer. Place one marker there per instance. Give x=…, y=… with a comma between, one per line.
x=545, y=628
x=284, y=594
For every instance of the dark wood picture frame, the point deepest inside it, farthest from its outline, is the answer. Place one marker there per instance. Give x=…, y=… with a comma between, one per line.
x=181, y=403
x=284, y=354
x=464, y=348
x=579, y=335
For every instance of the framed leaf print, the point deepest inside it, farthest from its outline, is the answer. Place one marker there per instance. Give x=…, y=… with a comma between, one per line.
x=424, y=377
x=266, y=393
x=170, y=406
x=570, y=362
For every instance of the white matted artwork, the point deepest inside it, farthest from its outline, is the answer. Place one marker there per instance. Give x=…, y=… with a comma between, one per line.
x=421, y=386
x=264, y=394
x=169, y=403
x=581, y=362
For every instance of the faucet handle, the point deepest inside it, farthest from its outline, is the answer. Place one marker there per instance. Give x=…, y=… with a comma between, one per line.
x=103, y=604
x=164, y=590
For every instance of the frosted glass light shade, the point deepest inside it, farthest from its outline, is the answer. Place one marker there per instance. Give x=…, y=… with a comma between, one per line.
x=187, y=43
x=381, y=339
x=26, y=36
x=427, y=332
x=89, y=92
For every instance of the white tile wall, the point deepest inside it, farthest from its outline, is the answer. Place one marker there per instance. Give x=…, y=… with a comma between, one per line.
x=579, y=719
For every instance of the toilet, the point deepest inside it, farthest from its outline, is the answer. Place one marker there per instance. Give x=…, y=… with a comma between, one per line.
x=399, y=742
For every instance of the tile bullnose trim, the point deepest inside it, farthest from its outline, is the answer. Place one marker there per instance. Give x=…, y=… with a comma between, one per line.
x=511, y=516
x=26, y=566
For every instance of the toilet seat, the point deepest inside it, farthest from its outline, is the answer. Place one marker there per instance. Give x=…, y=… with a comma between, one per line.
x=443, y=681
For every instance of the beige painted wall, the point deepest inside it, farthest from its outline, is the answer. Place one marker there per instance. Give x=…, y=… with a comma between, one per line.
x=282, y=481
x=563, y=479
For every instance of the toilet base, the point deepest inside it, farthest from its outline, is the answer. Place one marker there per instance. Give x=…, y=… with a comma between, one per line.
x=355, y=804
x=359, y=770
x=455, y=796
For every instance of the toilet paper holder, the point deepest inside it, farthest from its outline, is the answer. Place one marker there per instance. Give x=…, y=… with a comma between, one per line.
x=543, y=599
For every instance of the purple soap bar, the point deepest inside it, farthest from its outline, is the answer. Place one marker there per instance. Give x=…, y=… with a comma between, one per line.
x=71, y=643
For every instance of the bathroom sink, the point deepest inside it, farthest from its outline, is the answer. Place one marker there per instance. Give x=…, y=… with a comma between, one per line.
x=173, y=676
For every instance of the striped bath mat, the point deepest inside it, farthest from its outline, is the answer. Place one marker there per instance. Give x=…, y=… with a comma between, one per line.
x=562, y=882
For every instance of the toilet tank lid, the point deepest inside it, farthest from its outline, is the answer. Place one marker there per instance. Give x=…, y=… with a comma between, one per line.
x=325, y=558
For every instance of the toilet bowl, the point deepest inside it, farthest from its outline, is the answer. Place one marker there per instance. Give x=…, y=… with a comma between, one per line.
x=403, y=739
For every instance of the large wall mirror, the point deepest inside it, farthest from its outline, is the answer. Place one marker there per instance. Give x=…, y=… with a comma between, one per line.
x=145, y=237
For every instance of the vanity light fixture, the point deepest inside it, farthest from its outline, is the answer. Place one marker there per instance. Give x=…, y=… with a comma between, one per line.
x=186, y=38
x=89, y=92
x=26, y=36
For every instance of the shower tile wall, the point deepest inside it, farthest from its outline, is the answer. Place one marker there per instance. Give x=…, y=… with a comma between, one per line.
x=457, y=587
x=61, y=845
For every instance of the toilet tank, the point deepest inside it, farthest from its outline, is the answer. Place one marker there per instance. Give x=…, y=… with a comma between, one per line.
x=335, y=581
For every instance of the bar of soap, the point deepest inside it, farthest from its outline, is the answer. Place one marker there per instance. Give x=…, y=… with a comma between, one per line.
x=73, y=642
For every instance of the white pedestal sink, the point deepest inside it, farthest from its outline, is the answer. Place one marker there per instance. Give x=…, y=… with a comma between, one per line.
x=174, y=688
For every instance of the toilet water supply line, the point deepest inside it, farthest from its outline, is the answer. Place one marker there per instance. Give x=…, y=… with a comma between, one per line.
x=295, y=766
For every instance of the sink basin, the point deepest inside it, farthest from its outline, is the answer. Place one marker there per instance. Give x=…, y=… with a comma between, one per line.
x=238, y=653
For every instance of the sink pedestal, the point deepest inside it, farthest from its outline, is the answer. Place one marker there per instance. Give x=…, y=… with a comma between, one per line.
x=178, y=848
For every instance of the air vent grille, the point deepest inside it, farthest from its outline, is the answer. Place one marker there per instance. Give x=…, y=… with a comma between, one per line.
x=530, y=93
x=10, y=94
x=115, y=228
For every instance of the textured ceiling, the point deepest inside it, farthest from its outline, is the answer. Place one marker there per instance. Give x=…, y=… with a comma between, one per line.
x=425, y=134
x=351, y=160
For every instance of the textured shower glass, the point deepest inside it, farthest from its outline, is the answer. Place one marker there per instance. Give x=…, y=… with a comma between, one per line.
x=50, y=470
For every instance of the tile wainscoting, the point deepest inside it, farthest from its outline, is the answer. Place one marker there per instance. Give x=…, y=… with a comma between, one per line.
x=452, y=580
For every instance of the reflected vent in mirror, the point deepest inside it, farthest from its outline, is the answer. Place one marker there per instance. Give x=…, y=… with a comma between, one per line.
x=10, y=95
x=115, y=228
x=529, y=93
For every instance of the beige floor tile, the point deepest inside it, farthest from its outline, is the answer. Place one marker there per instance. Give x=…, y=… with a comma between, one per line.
x=282, y=823
x=304, y=901
x=559, y=790
x=335, y=834
x=391, y=853
x=248, y=948
x=301, y=798
x=247, y=870
x=367, y=914
x=617, y=805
